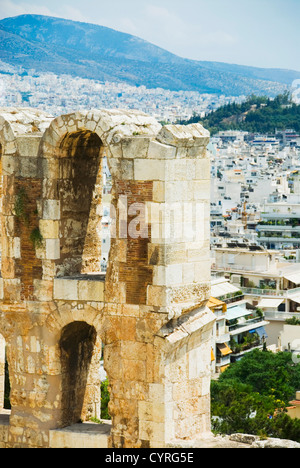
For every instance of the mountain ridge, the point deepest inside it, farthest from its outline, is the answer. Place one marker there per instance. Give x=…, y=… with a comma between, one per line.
x=49, y=44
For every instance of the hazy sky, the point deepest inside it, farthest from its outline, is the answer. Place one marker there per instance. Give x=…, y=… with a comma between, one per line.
x=262, y=33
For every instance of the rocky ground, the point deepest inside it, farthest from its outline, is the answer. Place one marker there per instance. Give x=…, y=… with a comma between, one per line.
x=235, y=441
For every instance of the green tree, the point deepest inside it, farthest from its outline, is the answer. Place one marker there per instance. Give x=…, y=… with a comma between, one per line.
x=267, y=373
x=293, y=321
x=236, y=408
x=252, y=394
x=105, y=400
x=285, y=427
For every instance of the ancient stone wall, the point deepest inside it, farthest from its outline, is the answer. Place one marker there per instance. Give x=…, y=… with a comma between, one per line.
x=149, y=313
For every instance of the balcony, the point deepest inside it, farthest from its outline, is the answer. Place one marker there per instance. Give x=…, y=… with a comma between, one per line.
x=281, y=316
x=234, y=298
x=278, y=228
x=265, y=292
x=247, y=325
x=234, y=267
x=293, y=238
x=222, y=361
x=241, y=349
x=247, y=342
x=286, y=294
x=281, y=216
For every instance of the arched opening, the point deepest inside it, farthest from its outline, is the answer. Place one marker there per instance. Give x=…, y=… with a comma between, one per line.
x=1, y=202
x=2, y=371
x=80, y=362
x=4, y=377
x=80, y=187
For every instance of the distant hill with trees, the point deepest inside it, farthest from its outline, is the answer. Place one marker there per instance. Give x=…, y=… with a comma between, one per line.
x=258, y=114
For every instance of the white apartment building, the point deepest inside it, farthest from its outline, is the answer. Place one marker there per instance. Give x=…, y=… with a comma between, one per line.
x=280, y=224
x=239, y=327
x=266, y=279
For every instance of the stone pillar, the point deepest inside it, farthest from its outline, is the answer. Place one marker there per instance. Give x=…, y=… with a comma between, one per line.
x=20, y=135
x=158, y=331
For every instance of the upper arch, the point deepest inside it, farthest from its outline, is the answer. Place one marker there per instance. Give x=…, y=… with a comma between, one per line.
x=112, y=126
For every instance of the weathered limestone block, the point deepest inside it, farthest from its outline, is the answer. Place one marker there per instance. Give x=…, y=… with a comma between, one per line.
x=65, y=289
x=149, y=169
x=49, y=229
x=29, y=167
x=12, y=290
x=135, y=146
x=10, y=246
x=81, y=436
x=167, y=275
x=126, y=169
x=186, y=136
x=1, y=289
x=159, y=191
x=43, y=290
x=4, y=428
x=91, y=291
x=181, y=170
x=10, y=165
x=49, y=167
x=51, y=209
x=52, y=249
x=158, y=150
x=202, y=169
x=28, y=146
x=72, y=289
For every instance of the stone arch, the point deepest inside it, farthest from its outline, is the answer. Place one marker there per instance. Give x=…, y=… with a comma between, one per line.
x=75, y=389
x=80, y=373
x=73, y=145
x=73, y=139
x=79, y=193
x=113, y=127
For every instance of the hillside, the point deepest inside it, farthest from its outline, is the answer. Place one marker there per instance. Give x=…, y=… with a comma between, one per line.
x=48, y=44
x=256, y=115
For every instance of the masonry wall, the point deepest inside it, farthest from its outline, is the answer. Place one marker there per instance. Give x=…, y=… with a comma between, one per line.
x=149, y=312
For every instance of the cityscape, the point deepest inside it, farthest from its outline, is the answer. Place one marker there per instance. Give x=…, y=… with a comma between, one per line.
x=51, y=93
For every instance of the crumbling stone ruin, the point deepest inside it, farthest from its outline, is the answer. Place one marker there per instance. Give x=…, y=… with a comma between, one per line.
x=148, y=314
